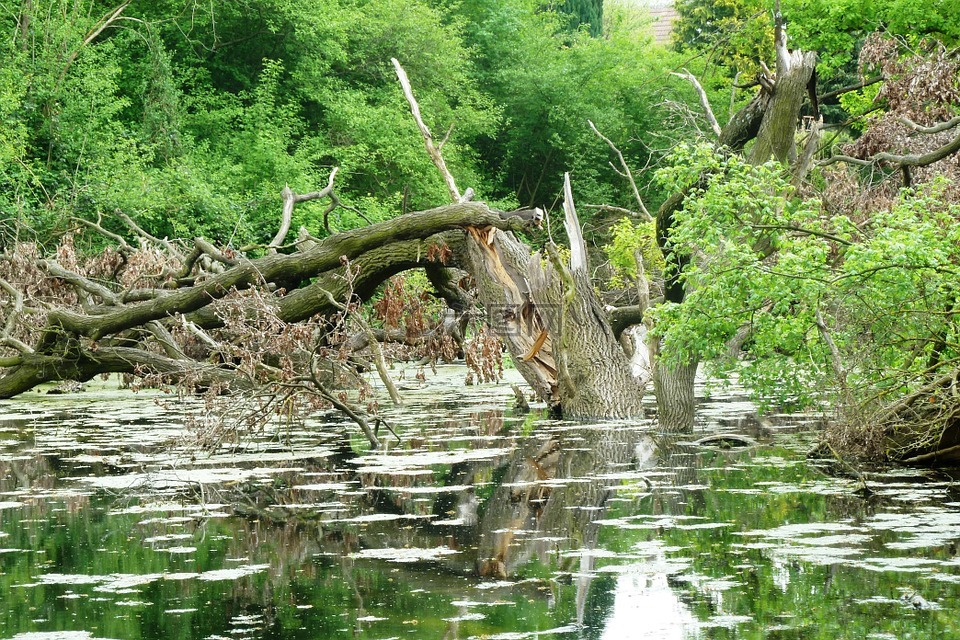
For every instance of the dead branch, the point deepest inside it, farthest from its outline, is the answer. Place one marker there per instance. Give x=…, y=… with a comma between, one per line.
x=144, y=236
x=122, y=245
x=102, y=24
x=853, y=87
x=937, y=128
x=290, y=199
x=83, y=285
x=907, y=160
x=612, y=209
x=803, y=164
x=626, y=169
x=578, y=246
x=432, y=150
x=166, y=340
x=379, y=361
x=704, y=100
x=13, y=315
x=343, y=407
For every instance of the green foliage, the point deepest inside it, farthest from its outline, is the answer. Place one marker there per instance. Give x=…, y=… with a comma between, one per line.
x=737, y=33
x=193, y=124
x=627, y=241
x=550, y=83
x=771, y=261
x=861, y=103
x=585, y=13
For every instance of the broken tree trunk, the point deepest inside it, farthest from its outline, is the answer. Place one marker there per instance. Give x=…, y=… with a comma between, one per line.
x=547, y=314
x=553, y=324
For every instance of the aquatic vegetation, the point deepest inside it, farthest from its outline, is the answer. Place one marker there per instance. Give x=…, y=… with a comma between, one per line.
x=473, y=526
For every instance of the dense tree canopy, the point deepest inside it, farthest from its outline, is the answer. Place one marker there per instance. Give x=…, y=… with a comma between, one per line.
x=193, y=118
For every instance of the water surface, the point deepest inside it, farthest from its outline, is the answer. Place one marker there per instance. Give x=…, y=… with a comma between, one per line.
x=480, y=523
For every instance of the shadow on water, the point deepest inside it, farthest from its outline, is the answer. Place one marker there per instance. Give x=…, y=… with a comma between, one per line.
x=479, y=524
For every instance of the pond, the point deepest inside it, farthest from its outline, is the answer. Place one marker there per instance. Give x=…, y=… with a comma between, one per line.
x=480, y=523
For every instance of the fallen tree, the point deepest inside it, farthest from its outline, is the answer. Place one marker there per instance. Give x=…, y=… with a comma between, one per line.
x=281, y=324
x=78, y=324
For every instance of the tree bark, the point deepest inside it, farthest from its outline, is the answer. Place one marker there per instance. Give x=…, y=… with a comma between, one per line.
x=76, y=345
x=553, y=324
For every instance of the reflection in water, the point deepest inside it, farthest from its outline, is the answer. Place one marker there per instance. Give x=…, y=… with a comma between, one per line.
x=479, y=524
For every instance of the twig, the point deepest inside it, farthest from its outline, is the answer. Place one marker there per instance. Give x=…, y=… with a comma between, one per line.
x=341, y=406
x=137, y=229
x=379, y=360
x=864, y=489
x=626, y=169
x=381, y=420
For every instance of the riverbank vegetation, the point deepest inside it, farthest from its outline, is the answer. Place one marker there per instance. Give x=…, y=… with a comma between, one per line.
x=773, y=194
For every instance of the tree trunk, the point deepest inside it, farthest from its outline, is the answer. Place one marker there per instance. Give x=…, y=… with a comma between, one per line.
x=673, y=386
x=553, y=324
x=772, y=117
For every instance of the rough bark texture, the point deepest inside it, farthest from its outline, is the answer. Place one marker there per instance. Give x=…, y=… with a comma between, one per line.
x=593, y=374
x=673, y=386
x=553, y=324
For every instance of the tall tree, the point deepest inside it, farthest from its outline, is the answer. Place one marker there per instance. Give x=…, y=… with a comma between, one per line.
x=770, y=121
x=588, y=13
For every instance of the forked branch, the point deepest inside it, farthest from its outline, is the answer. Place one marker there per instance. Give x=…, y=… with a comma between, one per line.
x=432, y=150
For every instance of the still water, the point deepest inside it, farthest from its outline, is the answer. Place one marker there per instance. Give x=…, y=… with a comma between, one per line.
x=479, y=523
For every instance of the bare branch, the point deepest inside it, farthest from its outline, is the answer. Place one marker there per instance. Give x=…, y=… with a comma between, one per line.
x=374, y=345
x=908, y=160
x=733, y=94
x=166, y=340
x=612, y=209
x=199, y=333
x=704, y=100
x=853, y=87
x=626, y=169
x=802, y=166
x=578, y=247
x=289, y=200
x=432, y=150
x=937, y=128
x=6, y=338
x=79, y=282
x=104, y=22
x=139, y=231
x=341, y=406
x=122, y=245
